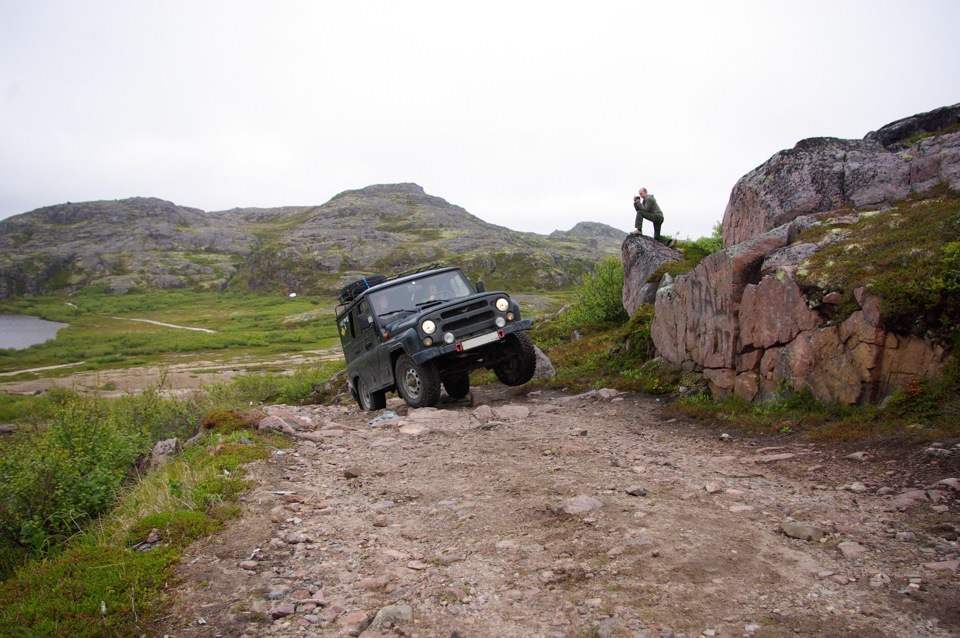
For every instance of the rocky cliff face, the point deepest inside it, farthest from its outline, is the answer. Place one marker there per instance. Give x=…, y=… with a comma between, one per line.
x=145, y=242
x=912, y=156
x=755, y=321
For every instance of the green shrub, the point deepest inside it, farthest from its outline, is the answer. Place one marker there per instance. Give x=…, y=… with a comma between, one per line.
x=53, y=480
x=599, y=299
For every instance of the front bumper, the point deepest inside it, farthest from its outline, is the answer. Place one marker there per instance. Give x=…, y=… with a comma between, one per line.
x=474, y=342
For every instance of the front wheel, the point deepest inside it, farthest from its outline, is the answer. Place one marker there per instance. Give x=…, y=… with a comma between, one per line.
x=419, y=385
x=520, y=360
x=370, y=401
x=457, y=385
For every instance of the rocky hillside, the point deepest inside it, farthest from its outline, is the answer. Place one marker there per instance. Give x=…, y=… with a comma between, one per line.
x=840, y=275
x=145, y=242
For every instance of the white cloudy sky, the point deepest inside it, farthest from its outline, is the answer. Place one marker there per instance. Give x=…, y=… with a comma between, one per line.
x=533, y=115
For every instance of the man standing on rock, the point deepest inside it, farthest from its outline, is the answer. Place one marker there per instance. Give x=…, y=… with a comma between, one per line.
x=647, y=208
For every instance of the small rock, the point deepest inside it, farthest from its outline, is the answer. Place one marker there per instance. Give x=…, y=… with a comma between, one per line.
x=851, y=550
x=909, y=499
x=392, y=615
x=636, y=490
x=856, y=488
x=712, y=488
x=771, y=458
x=282, y=611
x=952, y=483
x=737, y=509
x=879, y=580
x=857, y=456
x=249, y=565
x=944, y=566
x=351, y=473
x=577, y=505
x=389, y=414
x=802, y=531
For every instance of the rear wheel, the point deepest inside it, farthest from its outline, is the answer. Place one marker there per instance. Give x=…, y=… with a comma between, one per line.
x=370, y=401
x=520, y=360
x=457, y=385
x=419, y=385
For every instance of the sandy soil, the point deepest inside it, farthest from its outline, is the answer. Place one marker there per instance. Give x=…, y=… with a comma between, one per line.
x=573, y=516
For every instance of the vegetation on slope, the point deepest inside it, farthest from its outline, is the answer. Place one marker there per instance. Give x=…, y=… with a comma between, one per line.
x=909, y=256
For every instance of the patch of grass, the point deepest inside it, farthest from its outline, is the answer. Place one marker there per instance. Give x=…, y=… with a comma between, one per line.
x=306, y=382
x=178, y=528
x=87, y=591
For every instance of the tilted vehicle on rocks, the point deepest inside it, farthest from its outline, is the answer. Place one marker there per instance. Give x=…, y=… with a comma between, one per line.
x=415, y=332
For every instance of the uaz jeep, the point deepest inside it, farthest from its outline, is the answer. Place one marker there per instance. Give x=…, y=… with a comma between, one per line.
x=415, y=331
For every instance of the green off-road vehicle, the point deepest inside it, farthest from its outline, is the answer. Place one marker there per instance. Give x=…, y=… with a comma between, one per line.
x=414, y=332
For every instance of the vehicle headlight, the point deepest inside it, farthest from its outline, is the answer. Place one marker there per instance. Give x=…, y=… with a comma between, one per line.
x=502, y=304
x=428, y=327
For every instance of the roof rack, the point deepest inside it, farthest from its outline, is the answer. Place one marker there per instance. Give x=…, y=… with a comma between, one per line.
x=354, y=289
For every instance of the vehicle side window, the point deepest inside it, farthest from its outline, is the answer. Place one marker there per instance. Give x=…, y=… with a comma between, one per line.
x=363, y=309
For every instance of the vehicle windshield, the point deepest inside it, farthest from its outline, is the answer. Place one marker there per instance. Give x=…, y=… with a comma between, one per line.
x=410, y=296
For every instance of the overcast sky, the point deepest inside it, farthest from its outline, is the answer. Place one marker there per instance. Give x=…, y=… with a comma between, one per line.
x=530, y=115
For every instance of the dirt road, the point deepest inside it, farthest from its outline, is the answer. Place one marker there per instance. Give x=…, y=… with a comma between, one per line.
x=574, y=516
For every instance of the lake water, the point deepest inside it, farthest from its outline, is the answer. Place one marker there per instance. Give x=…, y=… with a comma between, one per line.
x=22, y=331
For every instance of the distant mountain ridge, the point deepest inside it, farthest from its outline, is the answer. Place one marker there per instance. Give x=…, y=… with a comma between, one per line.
x=139, y=242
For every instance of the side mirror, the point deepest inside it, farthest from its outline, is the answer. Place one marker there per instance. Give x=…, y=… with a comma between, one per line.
x=480, y=287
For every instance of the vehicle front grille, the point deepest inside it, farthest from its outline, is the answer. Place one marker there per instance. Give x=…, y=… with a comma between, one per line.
x=464, y=309
x=467, y=318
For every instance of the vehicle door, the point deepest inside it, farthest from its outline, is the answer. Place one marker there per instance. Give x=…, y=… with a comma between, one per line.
x=365, y=348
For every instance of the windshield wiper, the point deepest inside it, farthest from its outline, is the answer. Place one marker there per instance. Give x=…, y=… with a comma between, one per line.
x=393, y=312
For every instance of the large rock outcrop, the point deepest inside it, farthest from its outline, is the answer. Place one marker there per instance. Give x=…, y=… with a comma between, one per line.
x=641, y=257
x=742, y=319
x=825, y=174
